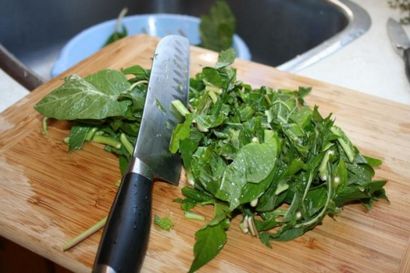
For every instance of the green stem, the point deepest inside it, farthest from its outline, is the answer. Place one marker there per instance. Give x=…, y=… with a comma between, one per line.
x=127, y=144
x=85, y=234
x=44, y=127
x=194, y=216
x=107, y=140
x=91, y=134
x=136, y=84
x=323, y=211
x=309, y=183
x=346, y=148
x=180, y=107
x=323, y=173
x=119, y=20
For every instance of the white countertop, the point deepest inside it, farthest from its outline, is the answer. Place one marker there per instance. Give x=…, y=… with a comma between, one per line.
x=368, y=64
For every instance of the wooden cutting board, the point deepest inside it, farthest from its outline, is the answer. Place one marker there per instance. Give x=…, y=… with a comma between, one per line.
x=48, y=195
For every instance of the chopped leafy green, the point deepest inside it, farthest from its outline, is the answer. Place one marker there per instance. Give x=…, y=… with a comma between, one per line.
x=218, y=27
x=209, y=242
x=164, y=223
x=194, y=216
x=253, y=163
x=225, y=58
x=256, y=152
x=78, y=136
x=265, y=154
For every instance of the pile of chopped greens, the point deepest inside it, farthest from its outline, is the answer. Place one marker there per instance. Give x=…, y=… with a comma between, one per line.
x=259, y=154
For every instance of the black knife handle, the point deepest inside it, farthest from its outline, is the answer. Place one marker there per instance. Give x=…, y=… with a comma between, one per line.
x=406, y=56
x=125, y=237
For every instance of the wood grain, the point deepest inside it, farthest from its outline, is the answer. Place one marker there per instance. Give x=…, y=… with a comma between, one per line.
x=48, y=195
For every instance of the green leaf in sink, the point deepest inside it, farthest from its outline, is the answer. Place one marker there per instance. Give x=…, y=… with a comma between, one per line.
x=218, y=27
x=120, y=30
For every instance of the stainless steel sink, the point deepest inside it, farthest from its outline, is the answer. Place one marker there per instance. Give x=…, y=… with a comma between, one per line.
x=290, y=34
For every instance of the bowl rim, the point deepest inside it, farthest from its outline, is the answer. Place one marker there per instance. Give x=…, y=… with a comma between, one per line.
x=61, y=65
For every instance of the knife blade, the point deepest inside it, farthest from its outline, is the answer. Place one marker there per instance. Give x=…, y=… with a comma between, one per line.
x=125, y=237
x=400, y=42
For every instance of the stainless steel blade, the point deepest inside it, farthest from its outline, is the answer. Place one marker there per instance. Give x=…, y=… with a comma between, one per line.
x=397, y=36
x=169, y=81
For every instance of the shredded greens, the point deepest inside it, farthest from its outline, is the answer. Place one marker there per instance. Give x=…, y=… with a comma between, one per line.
x=266, y=156
x=256, y=153
x=164, y=223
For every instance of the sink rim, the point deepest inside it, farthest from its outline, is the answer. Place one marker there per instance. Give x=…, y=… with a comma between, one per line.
x=359, y=23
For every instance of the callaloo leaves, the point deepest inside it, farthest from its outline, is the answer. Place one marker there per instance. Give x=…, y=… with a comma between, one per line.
x=265, y=155
x=94, y=97
x=259, y=154
x=105, y=107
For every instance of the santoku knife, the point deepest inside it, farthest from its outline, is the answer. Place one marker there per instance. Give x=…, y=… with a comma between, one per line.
x=125, y=237
x=400, y=41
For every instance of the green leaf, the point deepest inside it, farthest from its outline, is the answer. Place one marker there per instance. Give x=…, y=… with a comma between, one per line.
x=79, y=98
x=345, y=143
x=196, y=195
x=251, y=191
x=207, y=168
x=341, y=176
x=181, y=132
x=288, y=234
x=117, y=35
x=123, y=164
x=78, y=136
x=374, y=162
x=218, y=27
x=362, y=193
x=253, y=163
x=110, y=82
x=187, y=147
x=164, y=223
x=225, y=58
x=139, y=73
x=315, y=200
x=221, y=212
x=209, y=242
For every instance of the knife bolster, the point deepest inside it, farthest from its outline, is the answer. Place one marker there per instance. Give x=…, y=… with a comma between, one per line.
x=139, y=167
